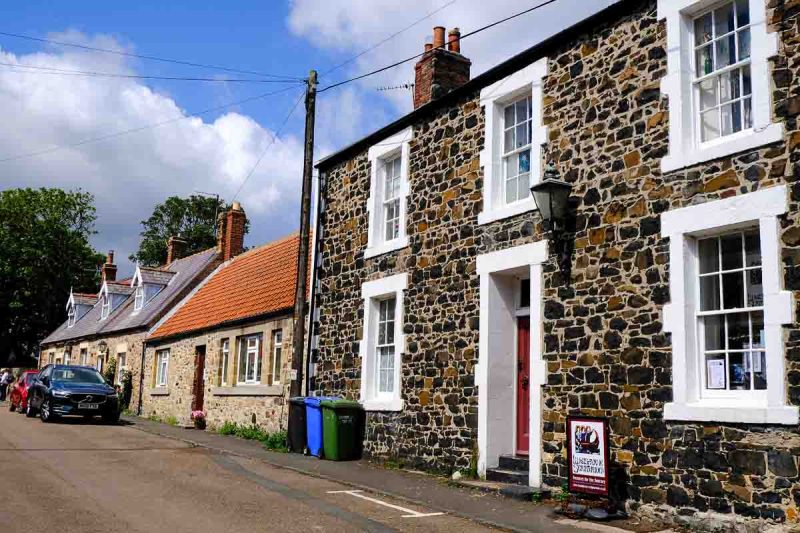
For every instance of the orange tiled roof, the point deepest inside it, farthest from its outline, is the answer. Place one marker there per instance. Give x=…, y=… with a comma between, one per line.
x=259, y=281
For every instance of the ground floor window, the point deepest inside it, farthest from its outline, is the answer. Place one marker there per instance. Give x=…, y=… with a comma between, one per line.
x=121, y=361
x=249, y=360
x=84, y=357
x=162, y=367
x=277, y=353
x=224, y=362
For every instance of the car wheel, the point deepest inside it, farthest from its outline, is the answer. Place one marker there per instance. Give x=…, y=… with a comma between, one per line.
x=29, y=412
x=46, y=413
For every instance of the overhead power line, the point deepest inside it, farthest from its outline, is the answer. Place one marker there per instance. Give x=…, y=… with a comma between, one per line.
x=145, y=127
x=268, y=146
x=149, y=58
x=389, y=38
x=89, y=73
x=464, y=36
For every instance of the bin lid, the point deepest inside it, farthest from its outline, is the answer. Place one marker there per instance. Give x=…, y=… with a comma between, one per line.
x=342, y=404
x=317, y=400
x=298, y=400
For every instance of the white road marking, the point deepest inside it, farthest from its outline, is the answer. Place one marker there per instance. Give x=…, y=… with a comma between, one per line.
x=410, y=513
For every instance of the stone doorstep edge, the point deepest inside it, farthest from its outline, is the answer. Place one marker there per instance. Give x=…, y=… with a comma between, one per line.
x=514, y=492
x=453, y=512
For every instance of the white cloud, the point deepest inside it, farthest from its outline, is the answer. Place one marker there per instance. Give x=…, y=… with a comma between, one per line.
x=130, y=174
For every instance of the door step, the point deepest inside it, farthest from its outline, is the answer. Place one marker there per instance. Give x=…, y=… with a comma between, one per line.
x=514, y=462
x=508, y=490
x=501, y=475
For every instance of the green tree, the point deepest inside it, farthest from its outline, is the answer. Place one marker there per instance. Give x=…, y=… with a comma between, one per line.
x=44, y=238
x=190, y=218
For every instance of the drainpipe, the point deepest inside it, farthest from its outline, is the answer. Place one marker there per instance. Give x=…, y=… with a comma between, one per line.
x=141, y=380
x=312, y=296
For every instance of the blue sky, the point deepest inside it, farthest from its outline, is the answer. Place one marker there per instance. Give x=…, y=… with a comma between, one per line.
x=130, y=173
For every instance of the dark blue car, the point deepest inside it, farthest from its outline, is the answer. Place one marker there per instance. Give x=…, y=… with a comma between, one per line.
x=62, y=390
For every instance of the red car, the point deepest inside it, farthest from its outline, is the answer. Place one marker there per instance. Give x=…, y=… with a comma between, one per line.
x=18, y=397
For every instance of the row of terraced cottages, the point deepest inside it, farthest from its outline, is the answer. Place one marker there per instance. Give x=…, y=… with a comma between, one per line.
x=208, y=332
x=668, y=304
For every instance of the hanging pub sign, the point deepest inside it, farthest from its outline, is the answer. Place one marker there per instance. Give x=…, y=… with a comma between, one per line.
x=587, y=453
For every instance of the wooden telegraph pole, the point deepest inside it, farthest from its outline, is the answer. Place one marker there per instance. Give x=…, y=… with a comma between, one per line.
x=296, y=388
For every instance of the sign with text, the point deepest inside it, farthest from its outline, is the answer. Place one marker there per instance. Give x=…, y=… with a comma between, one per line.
x=587, y=453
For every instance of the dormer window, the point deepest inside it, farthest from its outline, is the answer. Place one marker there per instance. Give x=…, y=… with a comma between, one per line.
x=105, y=310
x=70, y=316
x=138, y=298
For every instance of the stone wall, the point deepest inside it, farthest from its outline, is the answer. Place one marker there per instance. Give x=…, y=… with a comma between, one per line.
x=606, y=351
x=263, y=405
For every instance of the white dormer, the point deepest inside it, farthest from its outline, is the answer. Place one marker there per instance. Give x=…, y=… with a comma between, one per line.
x=146, y=284
x=78, y=305
x=111, y=296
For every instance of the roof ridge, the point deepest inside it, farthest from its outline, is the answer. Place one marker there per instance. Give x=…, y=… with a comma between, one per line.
x=167, y=265
x=266, y=245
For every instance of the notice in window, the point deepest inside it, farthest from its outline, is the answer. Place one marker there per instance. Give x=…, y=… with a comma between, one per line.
x=715, y=370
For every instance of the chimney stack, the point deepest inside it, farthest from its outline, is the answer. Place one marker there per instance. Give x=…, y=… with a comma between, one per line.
x=175, y=248
x=109, y=270
x=440, y=69
x=231, y=242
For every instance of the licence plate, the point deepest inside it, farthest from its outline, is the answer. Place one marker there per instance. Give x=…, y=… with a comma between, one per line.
x=88, y=406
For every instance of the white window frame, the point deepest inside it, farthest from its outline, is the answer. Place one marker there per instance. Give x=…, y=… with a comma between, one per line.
x=525, y=82
x=277, y=362
x=373, y=292
x=138, y=298
x=225, y=359
x=162, y=368
x=84, y=352
x=397, y=145
x=684, y=226
x=121, y=365
x=685, y=146
x=71, y=315
x=244, y=351
x=66, y=357
x=105, y=306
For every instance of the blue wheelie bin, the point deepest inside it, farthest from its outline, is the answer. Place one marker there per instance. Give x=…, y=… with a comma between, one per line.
x=314, y=423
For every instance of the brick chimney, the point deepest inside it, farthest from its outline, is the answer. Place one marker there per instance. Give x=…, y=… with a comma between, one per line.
x=230, y=241
x=175, y=248
x=109, y=270
x=440, y=70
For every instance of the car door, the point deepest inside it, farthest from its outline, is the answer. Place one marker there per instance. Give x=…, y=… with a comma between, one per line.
x=37, y=390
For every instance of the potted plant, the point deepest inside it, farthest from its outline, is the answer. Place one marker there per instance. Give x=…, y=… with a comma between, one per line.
x=199, y=419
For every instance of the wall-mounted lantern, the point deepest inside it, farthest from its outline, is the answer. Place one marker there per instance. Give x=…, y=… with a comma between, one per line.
x=552, y=199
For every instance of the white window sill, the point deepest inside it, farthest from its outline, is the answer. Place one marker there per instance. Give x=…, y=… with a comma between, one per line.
x=159, y=391
x=248, y=390
x=731, y=411
x=737, y=143
x=385, y=248
x=507, y=211
x=393, y=404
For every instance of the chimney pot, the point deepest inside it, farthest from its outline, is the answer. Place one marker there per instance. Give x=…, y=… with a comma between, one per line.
x=454, y=40
x=438, y=37
x=108, y=272
x=428, y=47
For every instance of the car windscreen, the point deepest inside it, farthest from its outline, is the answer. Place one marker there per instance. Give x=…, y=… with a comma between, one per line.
x=30, y=378
x=77, y=375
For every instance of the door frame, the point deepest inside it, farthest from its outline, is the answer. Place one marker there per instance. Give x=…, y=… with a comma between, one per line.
x=496, y=432
x=199, y=380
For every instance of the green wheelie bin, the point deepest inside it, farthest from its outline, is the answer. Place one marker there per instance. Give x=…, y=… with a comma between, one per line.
x=342, y=429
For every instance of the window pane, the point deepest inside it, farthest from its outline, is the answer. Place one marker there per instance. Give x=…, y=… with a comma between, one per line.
x=714, y=332
x=731, y=118
x=755, y=290
x=752, y=245
x=739, y=331
x=702, y=29
x=748, y=115
x=709, y=293
x=759, y=370
x=726, y=51
x=522, y=110
x=723, y=20
x=523, y=186
x=742, y=12
x=509, y=140
x=715, y=372
x=746, y=81
x=396, y=165
x=511, y=190
x=757, y=321
x=509, y=116
x=522, y=135
x=733, y=290
x=744, y=44
x=705, y=60
x=709, y=255
x=524, y=161
x=708, y=93
x=731, y=251
x=729, y=86
x=739, y=376
x=710, y=124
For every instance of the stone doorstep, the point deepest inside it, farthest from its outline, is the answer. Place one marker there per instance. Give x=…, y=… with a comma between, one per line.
x=509, y=490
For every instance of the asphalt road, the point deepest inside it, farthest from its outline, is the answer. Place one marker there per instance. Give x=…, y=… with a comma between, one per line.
x=87, y=477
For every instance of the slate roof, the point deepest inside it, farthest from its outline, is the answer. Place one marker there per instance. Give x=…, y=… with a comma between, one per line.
x=84, y=299
x=258, y=282
x=116, y=287
x=155, y=275
x=183, y=270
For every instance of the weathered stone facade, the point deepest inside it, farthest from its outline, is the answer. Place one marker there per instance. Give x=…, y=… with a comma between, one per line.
x=606, y=351
x=264, y=404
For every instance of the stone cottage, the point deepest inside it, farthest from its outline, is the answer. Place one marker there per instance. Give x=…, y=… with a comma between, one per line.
x=113, y=323
x=226, y=349
x=668, y=304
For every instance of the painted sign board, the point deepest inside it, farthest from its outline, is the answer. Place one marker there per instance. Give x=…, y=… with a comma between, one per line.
x=587, y=453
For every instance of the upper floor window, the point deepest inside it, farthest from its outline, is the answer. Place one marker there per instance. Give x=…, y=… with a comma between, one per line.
x=105, y=308
x=250, y=360
x=138, y=298
x=718, y=79
x=386, y=206
x=723, y=83
x=517, y=150
x=277, y=353
x=70, y=316
x=515, y=132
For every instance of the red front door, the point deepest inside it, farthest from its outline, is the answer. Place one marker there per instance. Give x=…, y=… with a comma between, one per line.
x=523, y=383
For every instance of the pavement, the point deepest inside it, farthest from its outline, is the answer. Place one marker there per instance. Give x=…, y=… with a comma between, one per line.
x=143, y=476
